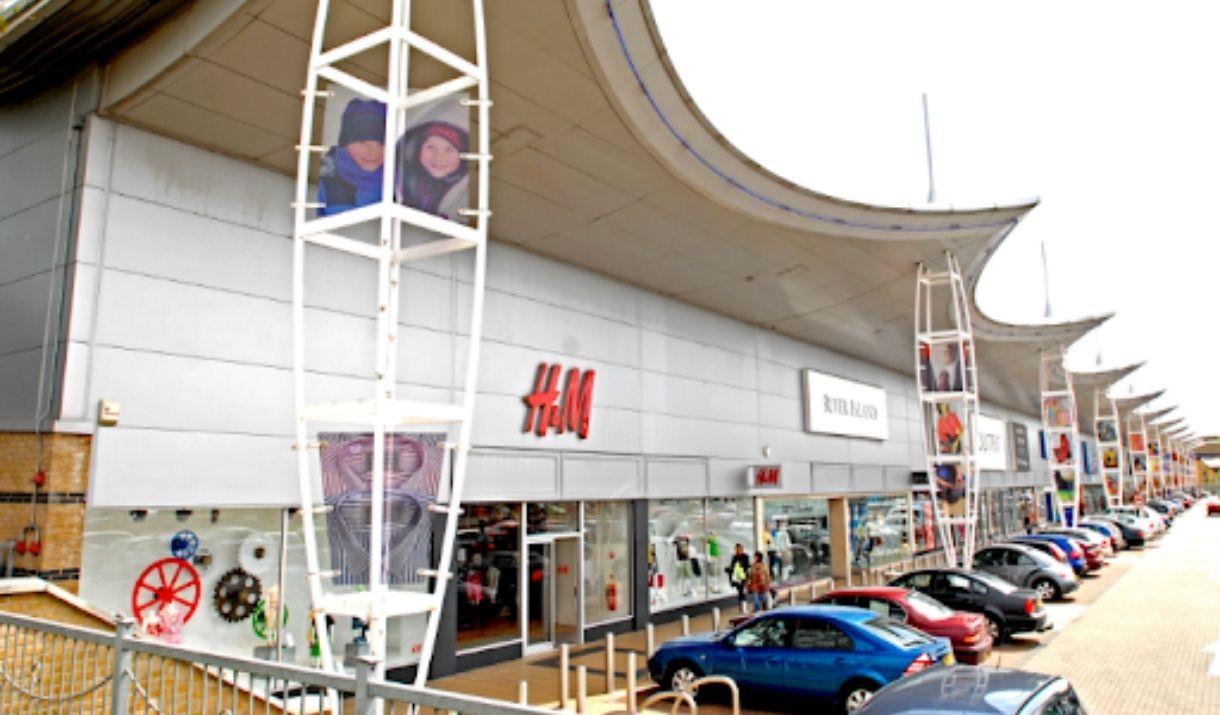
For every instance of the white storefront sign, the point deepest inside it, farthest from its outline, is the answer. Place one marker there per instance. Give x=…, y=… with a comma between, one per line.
x=837, y=406
x=992, y=452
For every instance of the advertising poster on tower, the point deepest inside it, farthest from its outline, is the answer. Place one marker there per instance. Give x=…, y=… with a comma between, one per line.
x=431, y=174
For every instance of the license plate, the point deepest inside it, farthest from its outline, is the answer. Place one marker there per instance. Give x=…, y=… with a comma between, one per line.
x=949, y=659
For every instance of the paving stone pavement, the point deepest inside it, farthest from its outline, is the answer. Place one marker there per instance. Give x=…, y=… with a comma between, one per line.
x=1139, y=648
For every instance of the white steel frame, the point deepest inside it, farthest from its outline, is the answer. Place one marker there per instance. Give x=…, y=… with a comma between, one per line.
x=1056, y=381
x=957, y=533
x=1105, y=408
x=1155, y=473
x=384, y=411
x=1137, y=425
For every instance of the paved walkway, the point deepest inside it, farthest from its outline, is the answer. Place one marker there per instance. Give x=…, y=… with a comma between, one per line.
x=1140, y=648
x=1131, y=639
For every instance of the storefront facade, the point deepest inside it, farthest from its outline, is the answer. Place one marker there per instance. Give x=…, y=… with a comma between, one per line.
x=699, y=433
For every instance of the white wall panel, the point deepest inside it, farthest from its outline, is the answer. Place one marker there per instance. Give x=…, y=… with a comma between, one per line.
x=590, y=477
x=832, y=478
x=685, y=358
x=164, y=469
x=684, y=397
x=18, y=388
x=665, y=434
x=676, y=477
x=494, y=475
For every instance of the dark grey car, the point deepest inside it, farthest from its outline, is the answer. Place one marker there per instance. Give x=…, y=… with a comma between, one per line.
x=1028, y=567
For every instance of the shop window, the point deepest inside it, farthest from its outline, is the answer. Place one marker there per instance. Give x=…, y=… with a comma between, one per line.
x=608, y=587
x=797, y=539
x=925, y=535
x=488, y=562
x=879, y=528
x=690, y=546
x=553, y=517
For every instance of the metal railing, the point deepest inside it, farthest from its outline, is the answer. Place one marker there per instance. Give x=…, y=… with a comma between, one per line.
x=52, y=667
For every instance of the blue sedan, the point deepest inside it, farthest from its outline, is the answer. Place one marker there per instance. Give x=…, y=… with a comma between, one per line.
x=832, y=653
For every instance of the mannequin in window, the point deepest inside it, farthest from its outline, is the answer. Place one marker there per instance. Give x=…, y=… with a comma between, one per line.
x=685, y=573
x=783, y=544
x=713, y=561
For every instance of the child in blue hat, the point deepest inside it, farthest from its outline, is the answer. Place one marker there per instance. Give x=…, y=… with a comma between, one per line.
x=351, y=170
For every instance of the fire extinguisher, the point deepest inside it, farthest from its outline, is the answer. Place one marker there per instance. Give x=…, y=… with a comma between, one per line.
x=612, y=596
x=31, y=541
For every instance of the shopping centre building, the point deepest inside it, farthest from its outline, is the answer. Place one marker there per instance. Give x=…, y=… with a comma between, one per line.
x=707, y=310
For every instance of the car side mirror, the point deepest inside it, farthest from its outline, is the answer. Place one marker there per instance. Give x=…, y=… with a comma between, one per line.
x=727, y=642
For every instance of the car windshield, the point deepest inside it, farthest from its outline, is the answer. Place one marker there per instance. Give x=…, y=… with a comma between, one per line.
x=995, y=582
x=928, y=607
x=894, y=632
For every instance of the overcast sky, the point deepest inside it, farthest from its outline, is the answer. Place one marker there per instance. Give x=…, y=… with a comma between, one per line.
x=1108, y=112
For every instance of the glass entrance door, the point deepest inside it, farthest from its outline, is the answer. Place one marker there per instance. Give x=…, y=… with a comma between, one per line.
x=540, y=590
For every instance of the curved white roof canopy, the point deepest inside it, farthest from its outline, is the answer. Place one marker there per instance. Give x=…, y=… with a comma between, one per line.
x=1087, y=384
x=602, y=160
x=1130, y=403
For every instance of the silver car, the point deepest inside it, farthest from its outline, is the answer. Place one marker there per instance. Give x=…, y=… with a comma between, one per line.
x=1028, y=567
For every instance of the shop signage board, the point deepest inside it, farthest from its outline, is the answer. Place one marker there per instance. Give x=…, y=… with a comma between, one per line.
x=992, y=450
x=765, y=476
x=834, y=405
x=553, y=410
x=1020, y=446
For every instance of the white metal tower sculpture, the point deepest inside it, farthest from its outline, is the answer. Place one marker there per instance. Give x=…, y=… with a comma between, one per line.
x=1061, y=433
x=1156, y=467
x=1137, y=453
x=395, y=235
x=947, y=379
x=1109, y=445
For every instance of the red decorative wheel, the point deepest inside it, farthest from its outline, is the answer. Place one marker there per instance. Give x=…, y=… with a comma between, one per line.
x=164, y=582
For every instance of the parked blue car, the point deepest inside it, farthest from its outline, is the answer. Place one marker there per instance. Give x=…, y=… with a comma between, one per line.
x=836, y=654
x=1074, y=553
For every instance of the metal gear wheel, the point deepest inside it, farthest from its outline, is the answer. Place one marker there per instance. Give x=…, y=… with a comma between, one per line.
x=236, y=594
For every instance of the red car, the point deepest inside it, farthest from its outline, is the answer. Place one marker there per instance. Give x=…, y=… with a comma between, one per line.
x=1213, y=506
x=967, y=631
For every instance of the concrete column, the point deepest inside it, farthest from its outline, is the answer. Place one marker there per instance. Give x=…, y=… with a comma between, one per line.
x=840, y=539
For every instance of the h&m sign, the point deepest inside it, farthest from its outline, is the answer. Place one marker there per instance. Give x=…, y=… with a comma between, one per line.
x=765, y=476
x=568, y=411
x=834, y=405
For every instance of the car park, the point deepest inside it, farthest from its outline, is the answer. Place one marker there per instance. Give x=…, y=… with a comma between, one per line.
x=1108, y=531
x=1136, y=531
x=1027, y=567
x=967, y=632
x=1118, y=531
x=1047, y=547
x=1092, y=544
x=967, y=690
x=1008, y=609
x=1145, y=517
x=827, y=653
x=1071, y=547
x=1163, y=508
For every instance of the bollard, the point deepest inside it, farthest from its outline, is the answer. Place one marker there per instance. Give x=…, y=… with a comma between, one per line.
x=715, y=618
x=523, y=692
x=650, y=639
x=564, y=668
x=631, y=684
x=609, y=664
x=685, y=625
x=792, y=596
x=741, y=607
x=582, y=689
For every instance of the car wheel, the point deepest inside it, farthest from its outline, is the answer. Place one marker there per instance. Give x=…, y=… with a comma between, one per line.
x=1047, y=589
x=857, y=694
x=681, y=678
x=995, y=628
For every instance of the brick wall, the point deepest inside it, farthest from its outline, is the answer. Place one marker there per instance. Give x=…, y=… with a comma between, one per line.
x=60, y=510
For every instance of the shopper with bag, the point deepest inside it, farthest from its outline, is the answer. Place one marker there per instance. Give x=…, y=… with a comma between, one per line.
x=739, y=571
x=760, y=583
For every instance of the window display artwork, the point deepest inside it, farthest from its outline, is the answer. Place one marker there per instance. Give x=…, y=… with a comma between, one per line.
x=1109, y=458
x=1061, y=449
x=413, y=467
x=1154, y=448
x=941, y=369
x=1058, y=410
x=948, y=430
x=1139, y=463
x=432, y=176
x=1107, y=430
x=951, y=489
x=1136, y=442
x=1065, y=484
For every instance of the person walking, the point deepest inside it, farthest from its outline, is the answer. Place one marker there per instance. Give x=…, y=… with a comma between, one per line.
x=760, y=583
x=739, y=571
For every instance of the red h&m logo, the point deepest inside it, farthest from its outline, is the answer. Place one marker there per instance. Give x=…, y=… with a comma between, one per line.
x=766, y=477
x=572, y=413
